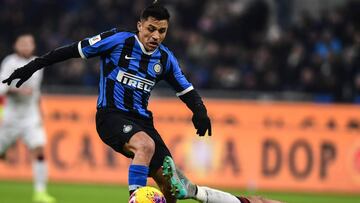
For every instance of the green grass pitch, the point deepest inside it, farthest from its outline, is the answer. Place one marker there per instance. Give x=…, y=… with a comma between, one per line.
x=20, y=192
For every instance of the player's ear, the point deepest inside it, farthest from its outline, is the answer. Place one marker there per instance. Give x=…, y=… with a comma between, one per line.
x=139, y=25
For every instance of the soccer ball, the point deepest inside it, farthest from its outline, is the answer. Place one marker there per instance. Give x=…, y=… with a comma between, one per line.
x=147, y=194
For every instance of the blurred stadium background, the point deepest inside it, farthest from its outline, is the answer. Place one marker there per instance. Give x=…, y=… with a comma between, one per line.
x=281, y=79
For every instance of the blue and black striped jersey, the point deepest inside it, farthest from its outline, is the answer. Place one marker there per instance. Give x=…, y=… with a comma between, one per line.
x=129, y=72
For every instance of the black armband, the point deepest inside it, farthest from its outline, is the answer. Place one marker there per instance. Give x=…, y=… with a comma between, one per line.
x=193, y=101
x=56, y=55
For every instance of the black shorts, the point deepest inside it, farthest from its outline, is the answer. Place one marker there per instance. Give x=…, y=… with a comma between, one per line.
x=115, y=128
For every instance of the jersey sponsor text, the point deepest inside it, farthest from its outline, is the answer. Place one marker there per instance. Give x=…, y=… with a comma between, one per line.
x=135, y=81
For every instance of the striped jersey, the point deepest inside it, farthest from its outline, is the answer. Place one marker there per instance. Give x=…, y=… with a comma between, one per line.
x=128, y=72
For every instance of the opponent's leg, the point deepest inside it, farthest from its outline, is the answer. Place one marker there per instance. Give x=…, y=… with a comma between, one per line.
x=40, y=176
x=34, y=137
x=143, y=147
x=9, y=133
x=184, y=189
x=206, y=194
x=210, y=195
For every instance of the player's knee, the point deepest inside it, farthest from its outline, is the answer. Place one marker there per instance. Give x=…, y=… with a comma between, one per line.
x=144, y=145
x=38, y=153
x=2, y=154
x=148, y=147
x=40, y=157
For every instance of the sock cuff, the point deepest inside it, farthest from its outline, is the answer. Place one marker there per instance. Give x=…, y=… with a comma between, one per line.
x=201, y=193
x=139, y=169
x=137, y=176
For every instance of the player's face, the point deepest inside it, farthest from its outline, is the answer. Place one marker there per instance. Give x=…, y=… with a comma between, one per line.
x=25, y=46
x=152, y=32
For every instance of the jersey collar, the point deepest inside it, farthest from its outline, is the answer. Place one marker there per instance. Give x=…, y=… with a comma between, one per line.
x=143, y=48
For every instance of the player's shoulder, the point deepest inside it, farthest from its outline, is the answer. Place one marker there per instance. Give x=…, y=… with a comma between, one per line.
x=165, y=49
x=10, y=58
x=118, y=33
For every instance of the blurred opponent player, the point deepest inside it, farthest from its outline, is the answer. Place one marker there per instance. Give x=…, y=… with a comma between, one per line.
x=22, y=118
x=132, y=63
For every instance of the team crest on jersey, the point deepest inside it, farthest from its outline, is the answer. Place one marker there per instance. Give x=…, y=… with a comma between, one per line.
x=157, y=68
x=127, y=128
x=95, y=39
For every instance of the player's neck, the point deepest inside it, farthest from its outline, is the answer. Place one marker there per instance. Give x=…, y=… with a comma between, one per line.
x=144, y=50
x=24, y=56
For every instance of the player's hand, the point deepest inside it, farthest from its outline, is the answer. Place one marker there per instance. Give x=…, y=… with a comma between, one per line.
x=23, y=73
x=201, y=123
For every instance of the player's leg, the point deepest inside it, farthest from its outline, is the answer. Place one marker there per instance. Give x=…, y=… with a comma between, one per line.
x=181, y=187
x=40, y=176
x=8, y=136
x=164, y=185
x=185, y=189
x=35, y=139
x=210, y=195
x=143, y=147
x=161, y=151
x=128, y=138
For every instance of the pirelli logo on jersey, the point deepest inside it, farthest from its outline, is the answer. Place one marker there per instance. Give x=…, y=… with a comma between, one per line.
x=135, y=81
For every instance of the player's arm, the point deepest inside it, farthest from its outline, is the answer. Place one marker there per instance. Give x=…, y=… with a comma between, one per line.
x=200, y=118
x=54, y=56
x=187, y=94
x=87, y=48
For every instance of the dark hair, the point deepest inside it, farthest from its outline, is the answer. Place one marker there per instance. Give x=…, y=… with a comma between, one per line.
x=155, y=10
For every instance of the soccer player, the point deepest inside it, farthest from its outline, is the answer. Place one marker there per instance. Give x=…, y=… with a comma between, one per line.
x=22, y=118
x=131, y=64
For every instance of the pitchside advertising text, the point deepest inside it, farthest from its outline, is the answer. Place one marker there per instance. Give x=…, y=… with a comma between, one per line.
x=253, y=145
